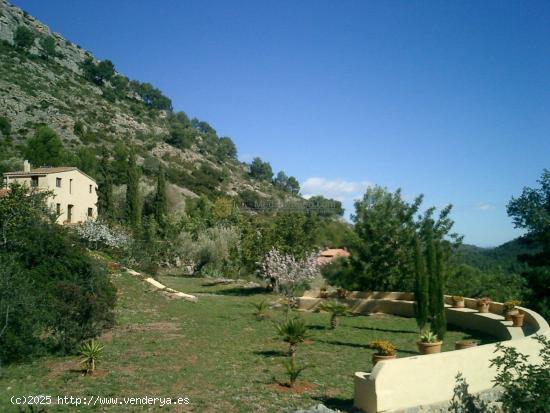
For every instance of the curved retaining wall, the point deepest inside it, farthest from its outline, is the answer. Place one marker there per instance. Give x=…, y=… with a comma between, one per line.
x=408, y=382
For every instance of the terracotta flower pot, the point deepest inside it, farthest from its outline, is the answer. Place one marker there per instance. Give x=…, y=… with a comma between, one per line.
x=518, y=319
x=458, y=304
x=378, y=357
x=462, y=344
x=509, y=314
x=429, y=348
x=483, y=308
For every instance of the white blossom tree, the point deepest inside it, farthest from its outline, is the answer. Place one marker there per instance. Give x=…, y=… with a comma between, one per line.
x=97, y=233
x=286, y=272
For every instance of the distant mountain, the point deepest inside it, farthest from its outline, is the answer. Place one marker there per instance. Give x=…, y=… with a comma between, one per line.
x=48, y=80
x=500, y=259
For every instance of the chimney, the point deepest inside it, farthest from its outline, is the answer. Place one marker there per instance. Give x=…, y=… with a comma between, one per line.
x=26, y=166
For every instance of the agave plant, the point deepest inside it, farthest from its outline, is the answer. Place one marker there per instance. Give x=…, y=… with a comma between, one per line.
x=91, y=353
x=261, y=309
x=428, y=336
x=293, y=370
x=293, y=331
x=335, y=309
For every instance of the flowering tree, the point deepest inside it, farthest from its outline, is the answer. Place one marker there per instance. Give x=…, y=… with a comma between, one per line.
x=97, y=233
x=286, y=273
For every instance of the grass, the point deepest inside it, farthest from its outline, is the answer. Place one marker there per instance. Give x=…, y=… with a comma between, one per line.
x=214, y=352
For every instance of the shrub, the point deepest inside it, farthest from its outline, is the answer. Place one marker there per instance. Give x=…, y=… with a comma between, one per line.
x=525, y=386
x=383, y=348
x=23, y=37
x=47, y=44
x=5, y=126
x=75, y=298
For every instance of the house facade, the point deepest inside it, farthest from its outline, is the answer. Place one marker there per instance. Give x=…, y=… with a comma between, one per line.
x=74, y=193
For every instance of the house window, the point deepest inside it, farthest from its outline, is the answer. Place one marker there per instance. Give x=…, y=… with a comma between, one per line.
x=34, y=181
x=58, y=209
x=58, y=182
x=90, y=189
x=70, y=186
x=90, y=212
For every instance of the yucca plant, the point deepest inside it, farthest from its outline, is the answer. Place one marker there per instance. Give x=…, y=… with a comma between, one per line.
x=336, y=309
x=293, y=331
x=262, y=309
x=91, y=352
x=293, y=370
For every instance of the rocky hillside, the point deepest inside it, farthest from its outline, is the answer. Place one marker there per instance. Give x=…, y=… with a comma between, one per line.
x=48, y=80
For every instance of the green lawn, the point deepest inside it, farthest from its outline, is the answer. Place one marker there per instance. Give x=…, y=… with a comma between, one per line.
x=214, y=352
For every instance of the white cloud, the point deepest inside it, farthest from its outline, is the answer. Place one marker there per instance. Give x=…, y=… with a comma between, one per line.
x=338, y=189
x=484, y=207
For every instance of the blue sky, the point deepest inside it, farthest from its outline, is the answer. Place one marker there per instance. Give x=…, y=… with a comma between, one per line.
x=448, y=99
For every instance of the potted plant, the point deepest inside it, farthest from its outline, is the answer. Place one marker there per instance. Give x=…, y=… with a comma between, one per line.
x=429, y=343
x=384, y=351
x=462, y=344
x=517, y=319
x=509, y=309
x=458, y=301
x=483, y=304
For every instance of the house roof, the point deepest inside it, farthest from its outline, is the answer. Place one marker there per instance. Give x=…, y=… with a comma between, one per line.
x=46, y=171
x=335, y=252
x=331, y=254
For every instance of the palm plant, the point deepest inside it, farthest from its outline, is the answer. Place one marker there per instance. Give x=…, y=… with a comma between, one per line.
x=293, y=370
x=91, y=353
x=335, y=309
x=293, y=332
x=261, y=309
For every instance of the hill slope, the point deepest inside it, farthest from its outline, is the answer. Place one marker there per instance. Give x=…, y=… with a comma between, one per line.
x=47, y=80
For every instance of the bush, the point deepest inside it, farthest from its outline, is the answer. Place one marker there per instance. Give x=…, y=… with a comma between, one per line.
x=23, y=37
x=52, y=294
x=47, y=44
x=5, y=126
x=525, y=386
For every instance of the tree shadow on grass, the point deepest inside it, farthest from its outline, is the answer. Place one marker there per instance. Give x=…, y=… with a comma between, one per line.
x=272, y=353
x=337, y=403
x=365, y=346
x=387, y=330
x=317, y=327
x=241, y=291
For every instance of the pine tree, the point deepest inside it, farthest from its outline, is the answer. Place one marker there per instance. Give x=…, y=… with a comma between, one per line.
x=161, y=202
x=421, y=293
x=105, y=187
x=133, y=202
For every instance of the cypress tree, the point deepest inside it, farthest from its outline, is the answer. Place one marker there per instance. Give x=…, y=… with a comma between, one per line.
x=105, y=187
x=431, y=258
x=439, y=319
x=133, y=202
x=161, y=202
x=421, y=294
